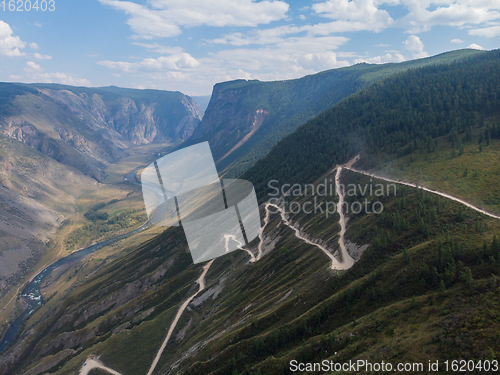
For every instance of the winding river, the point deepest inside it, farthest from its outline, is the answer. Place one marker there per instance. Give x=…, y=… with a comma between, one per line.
x=31, y=292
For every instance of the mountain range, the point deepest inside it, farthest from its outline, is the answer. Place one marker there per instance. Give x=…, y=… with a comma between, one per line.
x=423, y=283
x=245, y=119
x=89, y=128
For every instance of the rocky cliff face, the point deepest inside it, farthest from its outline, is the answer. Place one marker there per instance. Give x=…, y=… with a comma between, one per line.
x=228, y=123
x=245, y=119
x=88, y=128
x=157, y=117
x=258, y=119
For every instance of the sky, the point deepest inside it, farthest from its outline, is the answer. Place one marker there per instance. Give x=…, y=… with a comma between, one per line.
x=190, y=45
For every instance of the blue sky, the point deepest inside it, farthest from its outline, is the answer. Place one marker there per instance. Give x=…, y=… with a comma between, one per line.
x=191, y=45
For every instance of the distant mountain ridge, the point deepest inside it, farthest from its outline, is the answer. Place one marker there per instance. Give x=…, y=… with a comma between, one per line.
x=402, y=114
x=139, y=116
x=87, y=128
x=245, y=119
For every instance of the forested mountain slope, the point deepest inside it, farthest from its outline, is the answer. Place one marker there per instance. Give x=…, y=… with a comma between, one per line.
x=415, y=110
x=245, y=119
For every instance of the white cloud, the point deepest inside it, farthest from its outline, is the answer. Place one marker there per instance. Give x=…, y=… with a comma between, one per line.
x=476, y=46
x=422, y=15
x=278, y=34
x=489, y=32
x=291, y=57
x=14, y=77
x=144, y=22
x=388, y=57
x=32, y=67
x=306, y=54
x=10, y=45
x=35, y=74
x=363, y=14
x=42, y=57
x=260, y=36
x=455, y=13
x=158, y=48
x=164, y=63
x=343, y=26
x=34, y=46
x=38, y=24
x=288, y=58
x=61, y=78
x=320, y=61
x=163, y=18
x=415, y=45
x=283, y=52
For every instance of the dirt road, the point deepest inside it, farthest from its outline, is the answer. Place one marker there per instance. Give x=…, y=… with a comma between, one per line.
x=445, y=195
x=93, y=363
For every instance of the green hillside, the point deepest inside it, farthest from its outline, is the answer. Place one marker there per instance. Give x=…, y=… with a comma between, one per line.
x=289, y=104
x=443, y=109
x=402, y=302
x=425, y=286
